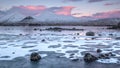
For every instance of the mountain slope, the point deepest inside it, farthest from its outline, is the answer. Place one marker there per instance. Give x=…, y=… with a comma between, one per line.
x=2, y=14
x=13, y=17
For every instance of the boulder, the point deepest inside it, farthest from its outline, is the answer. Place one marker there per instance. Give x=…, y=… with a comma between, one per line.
x=90, y=33
x=43, y=40
x=35, y=57
x=99, y=50
x=117, y=38
x=89, y=57
x=78, y=34
x=35, y=29
x=99, y=34
x=20, y=34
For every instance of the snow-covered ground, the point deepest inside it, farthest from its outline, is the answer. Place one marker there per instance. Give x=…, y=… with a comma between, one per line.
x=22, y=41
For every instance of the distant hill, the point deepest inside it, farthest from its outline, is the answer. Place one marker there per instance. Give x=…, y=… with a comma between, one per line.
x=102, y=22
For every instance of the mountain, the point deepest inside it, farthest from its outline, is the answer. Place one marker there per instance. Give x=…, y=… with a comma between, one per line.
x=12, y=17
x=50, y=17
x=86, y=18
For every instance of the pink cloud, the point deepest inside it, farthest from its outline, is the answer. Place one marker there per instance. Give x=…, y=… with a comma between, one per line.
x=30, y=7
x=27, y=10
x=66, y=10
x=109, y=14
x=35, y=10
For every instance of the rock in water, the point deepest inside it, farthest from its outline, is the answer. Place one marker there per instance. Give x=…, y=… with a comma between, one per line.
x=89, y=57
x=35, y=57
x=90, y=33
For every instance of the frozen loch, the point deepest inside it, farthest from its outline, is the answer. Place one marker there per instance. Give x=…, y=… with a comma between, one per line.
x=22, y=41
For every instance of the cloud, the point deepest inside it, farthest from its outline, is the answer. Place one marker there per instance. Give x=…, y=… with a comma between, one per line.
x=65, y=10
x=102, y=15
x=35, y=10
x=109, y=14
x=33, y=7
x=76, y=14
x=109, y=4
x=27, y=10
x=91, y=1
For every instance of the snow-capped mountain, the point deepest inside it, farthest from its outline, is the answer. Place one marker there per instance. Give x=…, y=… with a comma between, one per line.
x=49, y=17
x=12, y=17
x=46, y=17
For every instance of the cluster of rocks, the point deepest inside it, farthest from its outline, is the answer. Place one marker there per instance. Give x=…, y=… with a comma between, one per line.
x=89, y=57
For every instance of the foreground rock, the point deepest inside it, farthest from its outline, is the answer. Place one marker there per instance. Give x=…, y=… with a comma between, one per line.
x=35, y=57
x=89, y=57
